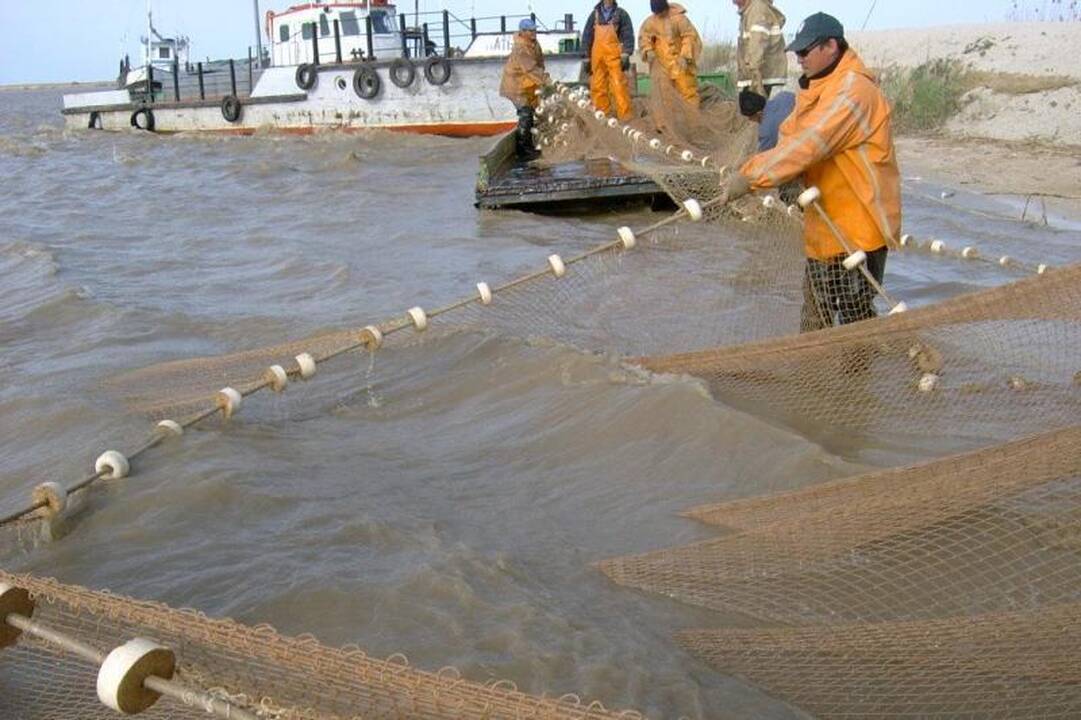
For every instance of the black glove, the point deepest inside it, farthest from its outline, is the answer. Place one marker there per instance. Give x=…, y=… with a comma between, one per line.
x=624, y=62
x=587, y=67
x=751, y=103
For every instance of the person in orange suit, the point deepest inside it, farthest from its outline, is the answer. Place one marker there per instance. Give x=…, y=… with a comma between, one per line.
x=608, y=41
x=668, y=37
x=523, y=77
x=839, y=139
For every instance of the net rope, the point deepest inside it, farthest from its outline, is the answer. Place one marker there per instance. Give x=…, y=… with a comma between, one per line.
x=253, y=670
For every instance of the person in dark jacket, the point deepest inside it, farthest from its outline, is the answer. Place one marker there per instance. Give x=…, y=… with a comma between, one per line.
x=608, y=41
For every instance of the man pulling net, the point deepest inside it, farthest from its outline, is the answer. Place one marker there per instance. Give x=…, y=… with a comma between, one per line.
x=837, y=139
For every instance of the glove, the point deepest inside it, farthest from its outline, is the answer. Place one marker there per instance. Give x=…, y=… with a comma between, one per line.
x=751, y=103
x=587, y=67
x=735, y=187
x=624, y=61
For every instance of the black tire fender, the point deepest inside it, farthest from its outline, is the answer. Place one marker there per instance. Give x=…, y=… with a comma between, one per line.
x=307, y=76
x=437, y=70
x=231, y=108
x=366, y=82
x=402, y=72
x=147, y=122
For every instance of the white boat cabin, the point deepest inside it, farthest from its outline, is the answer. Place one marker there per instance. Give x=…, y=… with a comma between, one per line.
x=294, y=34
x=290, y=32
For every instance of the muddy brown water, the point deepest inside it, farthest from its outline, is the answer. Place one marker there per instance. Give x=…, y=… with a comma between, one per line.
x=450, y=512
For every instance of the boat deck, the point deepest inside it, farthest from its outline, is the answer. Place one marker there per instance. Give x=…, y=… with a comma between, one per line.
x=504, y=182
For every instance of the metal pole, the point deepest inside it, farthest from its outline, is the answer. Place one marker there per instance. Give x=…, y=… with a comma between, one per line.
x=337, y=41
x=176, y=80
x=371, y=41
x=405, y=46
x=258, y=34
x=315, y=43
x=503, y=24
x=446, y=33
x=251, y=73
x=568, y=22
x=150, y=83
x=202, y=90
x=473, y=27
x=424, y=39
x=232, y=76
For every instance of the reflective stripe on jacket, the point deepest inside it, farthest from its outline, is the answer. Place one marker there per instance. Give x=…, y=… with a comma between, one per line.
x=760, y=56
x=523, y=73
x=839, y=139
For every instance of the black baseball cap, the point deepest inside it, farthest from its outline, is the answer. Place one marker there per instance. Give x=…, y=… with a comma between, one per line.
x=816, y=28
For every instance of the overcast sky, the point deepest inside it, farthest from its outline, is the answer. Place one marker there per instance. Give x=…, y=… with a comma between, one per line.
x=64, y=40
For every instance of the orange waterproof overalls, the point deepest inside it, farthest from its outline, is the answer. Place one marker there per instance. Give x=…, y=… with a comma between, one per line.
x=672, y=40
x=608, y=75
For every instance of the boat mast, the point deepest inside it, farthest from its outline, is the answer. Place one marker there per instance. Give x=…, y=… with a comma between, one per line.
x=149, y=29
x=258, y=35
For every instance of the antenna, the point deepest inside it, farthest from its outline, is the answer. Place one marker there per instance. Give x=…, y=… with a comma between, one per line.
x=868, y=18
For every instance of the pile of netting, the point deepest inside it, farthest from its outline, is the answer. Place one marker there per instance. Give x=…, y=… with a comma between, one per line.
x=68, y=652
x=946, y=589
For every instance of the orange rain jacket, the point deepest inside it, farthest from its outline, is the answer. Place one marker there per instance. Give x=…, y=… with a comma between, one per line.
x=839, y=139
x=523, y=73
x=666, y=38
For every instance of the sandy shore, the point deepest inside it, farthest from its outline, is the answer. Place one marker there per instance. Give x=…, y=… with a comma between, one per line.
x=999, y=168
x=1041, y=105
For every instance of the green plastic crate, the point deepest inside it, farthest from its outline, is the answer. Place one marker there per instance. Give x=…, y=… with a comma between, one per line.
x=721, y=79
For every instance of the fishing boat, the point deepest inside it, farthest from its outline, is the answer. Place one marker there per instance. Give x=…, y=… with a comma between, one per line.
x=345, y=66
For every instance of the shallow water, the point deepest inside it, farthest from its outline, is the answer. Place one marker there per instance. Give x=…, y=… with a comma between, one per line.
x=449, y=509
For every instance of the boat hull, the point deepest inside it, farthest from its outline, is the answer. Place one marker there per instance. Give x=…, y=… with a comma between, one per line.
x=467, y=104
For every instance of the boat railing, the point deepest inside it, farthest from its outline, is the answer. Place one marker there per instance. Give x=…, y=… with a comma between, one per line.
x=417, y=35
x=212, y=80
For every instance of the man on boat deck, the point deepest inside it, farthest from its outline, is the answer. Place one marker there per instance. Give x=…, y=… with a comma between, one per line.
x=523, y=77
x=839, y=140
x=760, y=56
x=608, y=41
x=668, y=37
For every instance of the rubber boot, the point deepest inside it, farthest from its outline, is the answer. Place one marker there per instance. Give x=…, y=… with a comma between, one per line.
x=524, y=148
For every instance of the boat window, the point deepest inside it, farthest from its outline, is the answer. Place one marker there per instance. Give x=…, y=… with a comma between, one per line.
x=283, y=32
x=307, y=30
x=350, y=25
x=324, y=25
x=163, y=53
x=380, y=23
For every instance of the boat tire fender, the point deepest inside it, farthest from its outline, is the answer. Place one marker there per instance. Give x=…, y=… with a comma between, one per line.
x=403, y=72
x=366, y=82
x=437, y=70
x=95, y=122
x=147, y=121
x=307, y=75
x=231, y=108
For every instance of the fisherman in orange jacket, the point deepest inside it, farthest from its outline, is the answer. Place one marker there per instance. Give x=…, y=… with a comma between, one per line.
x=839, y=140
x=668, y=37
x=608, y=41
x=523, y=77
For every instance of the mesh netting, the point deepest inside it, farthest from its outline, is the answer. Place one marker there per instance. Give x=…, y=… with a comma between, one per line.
x=1001, y=665
x=993, y=531
x=251, y=668
x=988, y=365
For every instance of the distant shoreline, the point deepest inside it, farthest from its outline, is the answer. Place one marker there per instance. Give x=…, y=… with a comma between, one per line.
x=48, y=85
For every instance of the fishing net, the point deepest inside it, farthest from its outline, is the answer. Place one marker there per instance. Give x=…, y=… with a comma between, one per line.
x=251, y=669
x=982, y=366
x=996, y=530
x=997, y=665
